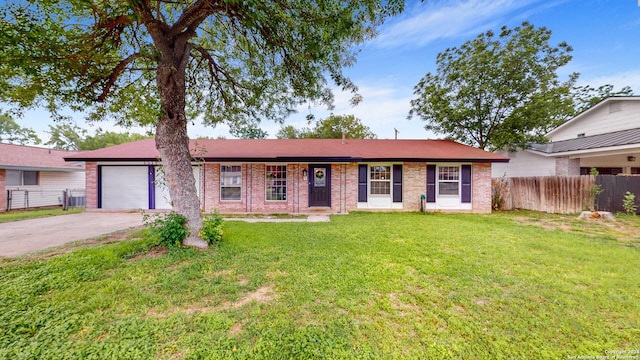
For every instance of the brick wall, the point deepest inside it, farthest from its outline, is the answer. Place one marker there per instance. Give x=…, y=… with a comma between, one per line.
x=567, y=167
x=91, y=185
x=351, y=186
x=253, y=199
x=3, y=190
x=481, y=183
x=344, y=185
x=414, y=184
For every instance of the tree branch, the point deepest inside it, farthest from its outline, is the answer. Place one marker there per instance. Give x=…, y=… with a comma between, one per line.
x=115, y=73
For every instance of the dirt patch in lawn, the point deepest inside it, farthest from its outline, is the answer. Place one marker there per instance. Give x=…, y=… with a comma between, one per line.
x=622, y=229
x=263, y=294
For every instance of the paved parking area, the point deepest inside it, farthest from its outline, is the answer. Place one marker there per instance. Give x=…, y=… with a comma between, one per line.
x=26, y=236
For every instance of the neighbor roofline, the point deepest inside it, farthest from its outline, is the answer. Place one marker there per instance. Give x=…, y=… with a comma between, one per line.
x=592, y=109
x=38, y=168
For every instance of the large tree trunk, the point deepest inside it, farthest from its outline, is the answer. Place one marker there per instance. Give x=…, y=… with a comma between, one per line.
x=172, y=142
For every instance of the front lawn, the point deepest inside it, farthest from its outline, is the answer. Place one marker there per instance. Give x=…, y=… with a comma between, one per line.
x=509, y=285
x=15, y=215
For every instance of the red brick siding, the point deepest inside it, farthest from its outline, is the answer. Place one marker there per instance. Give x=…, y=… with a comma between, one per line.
x=414, y=184
x=481, y=184
x=351, y=186
x=344, y=185
x=3, y=190
x=253, y=199
x=91, y=185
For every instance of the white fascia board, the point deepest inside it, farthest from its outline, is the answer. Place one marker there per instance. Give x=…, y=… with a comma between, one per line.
x=604, y=151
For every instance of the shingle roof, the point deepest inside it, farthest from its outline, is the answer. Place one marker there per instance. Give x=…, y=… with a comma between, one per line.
x=616, y=138
x=35, y=158
x=299, y=150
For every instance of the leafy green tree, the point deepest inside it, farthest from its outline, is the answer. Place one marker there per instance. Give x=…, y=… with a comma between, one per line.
x=166, y=62
x=11, y=132
x=330, y=128
x=69, y=136
x=333, y=127
x=497, y=92
x=66, y=136
x=102, y=139
x=249, y=132
x=289, y=132
x=587, y=96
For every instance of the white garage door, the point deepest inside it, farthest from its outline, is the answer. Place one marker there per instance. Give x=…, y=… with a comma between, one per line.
x=162, y=199
x=125, y=187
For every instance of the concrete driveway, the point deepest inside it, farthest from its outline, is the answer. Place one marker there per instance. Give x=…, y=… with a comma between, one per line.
x=22, y=237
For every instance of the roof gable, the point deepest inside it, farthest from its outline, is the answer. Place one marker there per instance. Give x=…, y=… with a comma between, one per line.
x=31, y=157
x=598, y=119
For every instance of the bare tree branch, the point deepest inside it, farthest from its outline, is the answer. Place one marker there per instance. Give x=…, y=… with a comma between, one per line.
x=113, y=76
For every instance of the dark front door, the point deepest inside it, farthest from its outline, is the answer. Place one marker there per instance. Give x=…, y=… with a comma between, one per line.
x=320, y=185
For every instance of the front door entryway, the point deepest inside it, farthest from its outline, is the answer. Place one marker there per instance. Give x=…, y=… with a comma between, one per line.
x=320, y=185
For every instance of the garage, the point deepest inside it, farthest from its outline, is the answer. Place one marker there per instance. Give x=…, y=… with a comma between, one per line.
x=124, y=187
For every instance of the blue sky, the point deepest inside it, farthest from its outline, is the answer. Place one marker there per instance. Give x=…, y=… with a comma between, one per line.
x=604, y=34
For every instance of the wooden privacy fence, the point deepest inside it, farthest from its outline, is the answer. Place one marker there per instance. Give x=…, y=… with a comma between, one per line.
x=614, y=188
x=551, y=194
x=565, y=194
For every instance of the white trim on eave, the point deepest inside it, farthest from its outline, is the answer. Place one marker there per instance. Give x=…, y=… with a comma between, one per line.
x=610, y=150
x=592, y=109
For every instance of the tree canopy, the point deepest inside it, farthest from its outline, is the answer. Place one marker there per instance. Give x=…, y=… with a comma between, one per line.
x=586, y=96
x=68, y=136
x=330, y=128
x=12, y=132
x=168, y=63
x=249, y=132
x=497, y=92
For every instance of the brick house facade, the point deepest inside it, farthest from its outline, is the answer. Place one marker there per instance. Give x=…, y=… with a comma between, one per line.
x=301, y=176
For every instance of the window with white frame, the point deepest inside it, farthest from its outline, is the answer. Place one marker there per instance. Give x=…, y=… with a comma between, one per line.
x=21, y=177
x=380, y=179
x=276, y=183
x=230, y=182
x=448, y=180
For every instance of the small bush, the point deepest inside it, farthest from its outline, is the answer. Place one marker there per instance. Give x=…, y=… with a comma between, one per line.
x=629, y=203
x=211, y=230
x=594, y=191
x=170, y=228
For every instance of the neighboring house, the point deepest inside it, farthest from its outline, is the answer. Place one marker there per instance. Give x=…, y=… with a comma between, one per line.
x=33, y=177
x=605, y=137
x=299, y=176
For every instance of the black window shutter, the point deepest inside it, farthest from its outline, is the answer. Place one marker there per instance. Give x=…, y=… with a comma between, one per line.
x=431, y=183
x=362, y=183
x=466, y=183
x=397, y=183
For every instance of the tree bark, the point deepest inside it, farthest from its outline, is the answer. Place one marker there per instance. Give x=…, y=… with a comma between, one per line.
x=172, y=141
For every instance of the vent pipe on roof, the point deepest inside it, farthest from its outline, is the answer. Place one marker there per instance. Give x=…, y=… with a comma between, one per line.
x=344, y=138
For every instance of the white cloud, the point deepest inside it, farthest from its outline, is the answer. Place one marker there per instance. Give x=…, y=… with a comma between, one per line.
x=427, y=22
x=382, y=109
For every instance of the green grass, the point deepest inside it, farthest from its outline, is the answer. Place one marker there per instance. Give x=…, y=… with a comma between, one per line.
x=508, y=285
x=15, y=215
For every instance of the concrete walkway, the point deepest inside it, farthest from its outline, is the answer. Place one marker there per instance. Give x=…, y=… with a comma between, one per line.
x=25, y=236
